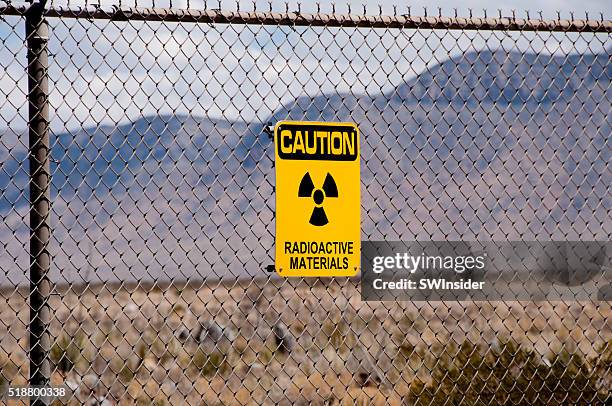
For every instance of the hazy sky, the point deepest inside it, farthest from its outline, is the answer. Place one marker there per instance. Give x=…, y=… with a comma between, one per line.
x=127, y=70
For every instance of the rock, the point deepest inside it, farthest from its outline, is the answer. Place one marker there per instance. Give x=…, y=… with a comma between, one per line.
x=101, y=401
x=88, y=388
x=368, y=378
x=72, y=385
x=212, y=331
x=168, y=387
x=183, y=333
x=363, y=368
x=90, y=382
x=282, y=338
x=131, y=309
x=214, y=336
x=209, y=331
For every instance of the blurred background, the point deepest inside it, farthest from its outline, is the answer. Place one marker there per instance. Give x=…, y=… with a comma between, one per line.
x=163, y=203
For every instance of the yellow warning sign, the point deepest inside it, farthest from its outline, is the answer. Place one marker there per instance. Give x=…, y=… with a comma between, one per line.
x=318, y=222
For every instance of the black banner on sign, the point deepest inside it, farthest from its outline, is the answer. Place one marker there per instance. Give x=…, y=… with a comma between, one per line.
x=305, y=142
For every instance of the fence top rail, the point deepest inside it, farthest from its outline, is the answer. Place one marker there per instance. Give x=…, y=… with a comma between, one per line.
x=297, y=18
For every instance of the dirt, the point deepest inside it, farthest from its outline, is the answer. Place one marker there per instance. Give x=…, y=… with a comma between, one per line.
x=139, y=345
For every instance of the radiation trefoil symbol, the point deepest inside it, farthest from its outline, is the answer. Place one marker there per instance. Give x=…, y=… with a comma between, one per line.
x=307, y=189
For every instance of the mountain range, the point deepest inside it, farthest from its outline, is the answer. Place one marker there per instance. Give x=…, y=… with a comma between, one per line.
x=488, y=145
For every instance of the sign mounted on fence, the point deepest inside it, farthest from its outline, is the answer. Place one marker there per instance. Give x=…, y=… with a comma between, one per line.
x=318, y=217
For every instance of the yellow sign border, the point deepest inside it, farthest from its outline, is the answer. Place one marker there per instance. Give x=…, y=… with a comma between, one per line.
x=354, y=270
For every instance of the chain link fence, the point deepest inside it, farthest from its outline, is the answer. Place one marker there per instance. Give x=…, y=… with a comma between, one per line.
x=152, y=286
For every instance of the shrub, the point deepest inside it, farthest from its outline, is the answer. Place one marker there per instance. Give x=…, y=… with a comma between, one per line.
x=508, y=374
x=209, y=364
x=67, y=351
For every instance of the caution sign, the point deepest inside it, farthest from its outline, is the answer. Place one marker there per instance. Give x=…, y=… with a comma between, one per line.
x=318, y=221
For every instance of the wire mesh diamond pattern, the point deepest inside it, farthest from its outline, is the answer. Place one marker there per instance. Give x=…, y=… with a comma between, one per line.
x=162, y=202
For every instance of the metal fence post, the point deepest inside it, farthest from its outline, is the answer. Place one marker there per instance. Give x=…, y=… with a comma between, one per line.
x=40, y=194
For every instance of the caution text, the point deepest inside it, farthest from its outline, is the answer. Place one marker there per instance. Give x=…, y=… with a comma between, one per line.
x=312, y=142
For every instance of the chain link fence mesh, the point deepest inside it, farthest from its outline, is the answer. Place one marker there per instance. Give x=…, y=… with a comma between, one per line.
x=163, y=204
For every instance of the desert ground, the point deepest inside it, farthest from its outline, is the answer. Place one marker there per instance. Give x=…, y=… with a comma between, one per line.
x=272, y=341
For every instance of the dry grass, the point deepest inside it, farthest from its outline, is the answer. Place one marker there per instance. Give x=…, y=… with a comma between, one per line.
x=128, y=340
